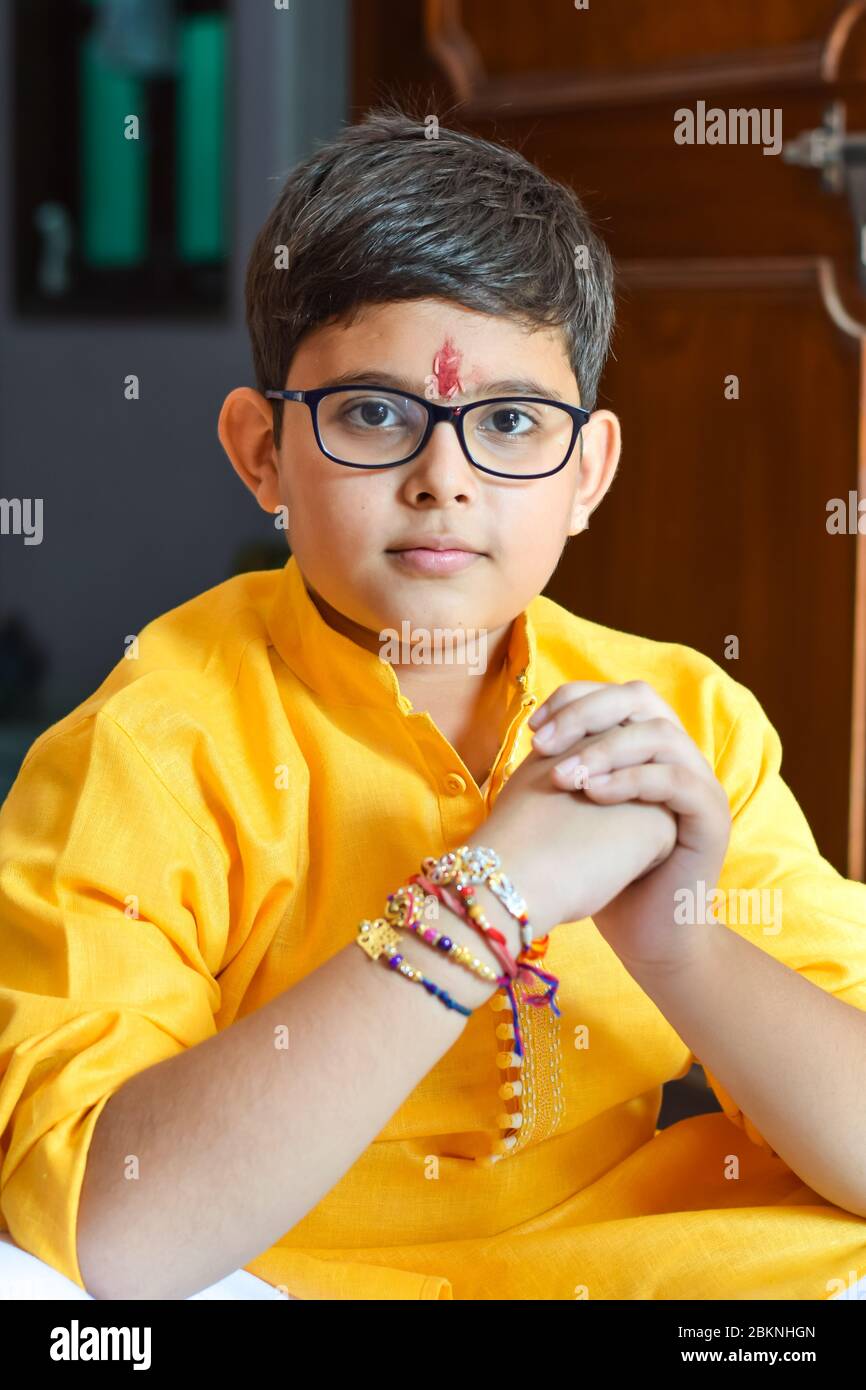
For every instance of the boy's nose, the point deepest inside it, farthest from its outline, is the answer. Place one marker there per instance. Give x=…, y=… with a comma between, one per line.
x=442, y=461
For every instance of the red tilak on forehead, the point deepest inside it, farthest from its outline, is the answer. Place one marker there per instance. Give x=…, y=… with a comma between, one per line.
x=446, y=369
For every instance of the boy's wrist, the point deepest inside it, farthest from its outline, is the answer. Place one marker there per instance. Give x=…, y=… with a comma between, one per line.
x=520, y=866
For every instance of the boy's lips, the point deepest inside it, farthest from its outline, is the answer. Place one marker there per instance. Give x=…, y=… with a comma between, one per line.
x=423, y=560
x=435, y=554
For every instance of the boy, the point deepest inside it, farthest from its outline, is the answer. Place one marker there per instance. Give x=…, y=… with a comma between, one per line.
x=202, y=1070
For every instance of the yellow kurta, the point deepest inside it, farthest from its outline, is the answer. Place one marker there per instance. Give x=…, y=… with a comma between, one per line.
x=211, y=825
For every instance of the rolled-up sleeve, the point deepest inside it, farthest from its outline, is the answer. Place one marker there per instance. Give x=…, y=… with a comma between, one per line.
x=778, y=890
x=113, y=923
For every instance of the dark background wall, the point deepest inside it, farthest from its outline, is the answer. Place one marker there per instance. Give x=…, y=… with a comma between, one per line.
x=141, y=508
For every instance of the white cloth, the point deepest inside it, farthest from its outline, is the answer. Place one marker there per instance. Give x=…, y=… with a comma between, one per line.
x=23, y=1276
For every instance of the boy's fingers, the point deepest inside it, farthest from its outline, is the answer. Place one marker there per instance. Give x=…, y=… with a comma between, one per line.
x=653, y=740
x=639, y=739
x=562, y=695
x=687, y=795
x=599, y=707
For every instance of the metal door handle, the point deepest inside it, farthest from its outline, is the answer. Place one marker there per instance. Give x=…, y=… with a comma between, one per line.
x=840, y=156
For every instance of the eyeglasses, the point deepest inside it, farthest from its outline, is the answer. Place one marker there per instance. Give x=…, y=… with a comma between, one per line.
x=365, y=426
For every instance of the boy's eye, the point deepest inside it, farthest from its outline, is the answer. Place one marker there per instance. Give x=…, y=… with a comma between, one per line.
x=372, y=413
x=505, y=421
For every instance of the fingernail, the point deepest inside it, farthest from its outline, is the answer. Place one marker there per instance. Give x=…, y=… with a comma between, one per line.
x=545, y=736
x=574, y=773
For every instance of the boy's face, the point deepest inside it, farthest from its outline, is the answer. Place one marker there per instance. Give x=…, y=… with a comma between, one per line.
x=344, y=523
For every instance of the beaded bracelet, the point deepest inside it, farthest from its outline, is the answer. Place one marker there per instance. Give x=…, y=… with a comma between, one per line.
x=477, y=919
x=485, y=867
x=537, y=1088
x=404, y=908
x=494, y=937
x=379, y=938
x=481, y=865
x=465, y=866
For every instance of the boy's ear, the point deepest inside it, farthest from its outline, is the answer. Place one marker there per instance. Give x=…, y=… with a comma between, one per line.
x=245, y=429
x=601, y=445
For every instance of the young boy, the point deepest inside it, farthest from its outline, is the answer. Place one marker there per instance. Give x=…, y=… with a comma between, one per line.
x=202, y=1068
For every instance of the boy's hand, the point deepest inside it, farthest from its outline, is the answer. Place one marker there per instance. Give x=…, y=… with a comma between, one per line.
x=628, y=732
x=566, y=854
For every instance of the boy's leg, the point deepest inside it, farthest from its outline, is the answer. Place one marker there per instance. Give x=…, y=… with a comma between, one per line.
x=23, y=1276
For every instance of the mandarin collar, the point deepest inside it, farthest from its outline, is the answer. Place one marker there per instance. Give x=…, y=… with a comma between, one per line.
x=344, y=673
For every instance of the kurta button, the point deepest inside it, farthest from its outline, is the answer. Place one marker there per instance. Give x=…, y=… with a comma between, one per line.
x=454, y=783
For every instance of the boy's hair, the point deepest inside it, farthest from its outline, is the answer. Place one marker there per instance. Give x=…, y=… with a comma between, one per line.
x=384, y=213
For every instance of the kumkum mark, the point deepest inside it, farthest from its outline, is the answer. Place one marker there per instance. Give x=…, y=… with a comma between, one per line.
x=446, y=369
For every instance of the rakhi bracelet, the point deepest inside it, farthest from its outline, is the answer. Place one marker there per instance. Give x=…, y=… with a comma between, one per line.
x=403, y=909
x=534, y=948
x=500, y=884
x=464, y=866
x=495, y=940
x=531, y=1031
x=478, y=921
x=476, y=914
x=379, y=938
x=481, y=865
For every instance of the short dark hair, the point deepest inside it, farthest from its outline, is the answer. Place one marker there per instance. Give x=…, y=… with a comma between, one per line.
x=384, y=213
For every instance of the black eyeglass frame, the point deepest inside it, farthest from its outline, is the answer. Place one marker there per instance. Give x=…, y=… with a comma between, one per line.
x=453, y=414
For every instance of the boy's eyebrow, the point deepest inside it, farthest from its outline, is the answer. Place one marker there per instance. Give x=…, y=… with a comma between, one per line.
x=517, y=386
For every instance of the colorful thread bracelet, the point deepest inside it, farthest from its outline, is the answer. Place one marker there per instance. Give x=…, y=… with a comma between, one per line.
x=403, y=910
x=448, y=894
x=535, y=948
x=495, y=940
x=484, y=866
x=529, y=1056
x=462, y=868
x=481, y=865
x=475, y=914
x=380, y=938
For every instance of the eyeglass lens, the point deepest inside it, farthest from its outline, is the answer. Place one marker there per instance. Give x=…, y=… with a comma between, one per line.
x=376, y=428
